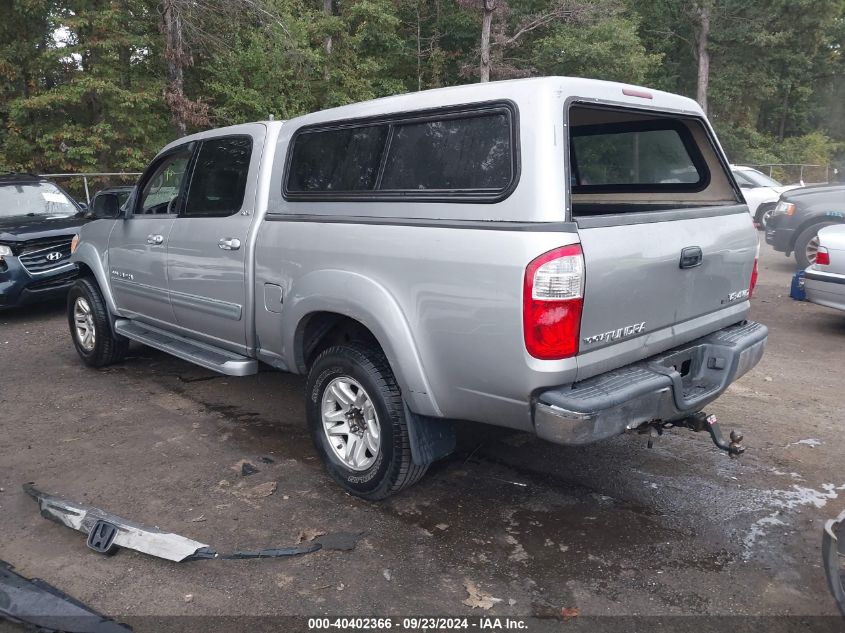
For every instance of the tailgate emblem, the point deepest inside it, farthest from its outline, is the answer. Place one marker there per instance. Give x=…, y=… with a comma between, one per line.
x=614, y=335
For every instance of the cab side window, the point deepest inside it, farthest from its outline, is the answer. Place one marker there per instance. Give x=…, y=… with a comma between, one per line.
x=161, y=192
x=220, y=175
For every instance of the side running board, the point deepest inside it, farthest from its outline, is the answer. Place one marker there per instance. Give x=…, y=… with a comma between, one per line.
x=208, y=356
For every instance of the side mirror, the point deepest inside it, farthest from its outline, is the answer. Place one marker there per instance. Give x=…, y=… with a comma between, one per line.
x=106, y=206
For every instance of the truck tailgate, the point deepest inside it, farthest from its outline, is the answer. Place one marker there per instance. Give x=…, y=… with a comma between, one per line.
x=636, y=282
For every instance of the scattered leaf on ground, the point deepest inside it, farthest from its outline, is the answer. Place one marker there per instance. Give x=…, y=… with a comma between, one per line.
x=478, y=599
x=260, y=491
x=570, y=612
x=309, y=535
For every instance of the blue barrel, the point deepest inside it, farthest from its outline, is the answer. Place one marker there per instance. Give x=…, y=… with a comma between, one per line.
x=797, y=290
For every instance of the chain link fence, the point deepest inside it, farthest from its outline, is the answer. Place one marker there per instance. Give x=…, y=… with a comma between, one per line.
x=83, y=186
x=796, y=173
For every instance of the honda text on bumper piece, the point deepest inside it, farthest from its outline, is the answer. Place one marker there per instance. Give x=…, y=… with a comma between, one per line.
x=567, y=257
x=37, y=223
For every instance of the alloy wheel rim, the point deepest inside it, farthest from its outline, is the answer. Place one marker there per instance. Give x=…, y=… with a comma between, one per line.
x=83, y=320
x=350, y=423
x=812, y=249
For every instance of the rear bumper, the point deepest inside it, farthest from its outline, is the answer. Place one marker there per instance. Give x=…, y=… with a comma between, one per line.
x=669, y=386
x=826, y=289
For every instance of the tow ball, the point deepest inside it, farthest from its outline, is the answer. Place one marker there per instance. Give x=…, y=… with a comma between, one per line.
x=697, y=422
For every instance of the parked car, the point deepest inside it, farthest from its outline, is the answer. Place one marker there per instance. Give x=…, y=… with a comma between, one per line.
x=761, y=192
x=107, y=202
x=824, y=280
x=435, y=257
x=37, y=223
x=794, y=224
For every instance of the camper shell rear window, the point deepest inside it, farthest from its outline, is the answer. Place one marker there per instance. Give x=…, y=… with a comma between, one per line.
x=623, y=160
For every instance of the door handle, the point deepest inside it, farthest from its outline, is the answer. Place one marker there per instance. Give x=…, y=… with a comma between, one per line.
x=155, y=239
x=229, y=243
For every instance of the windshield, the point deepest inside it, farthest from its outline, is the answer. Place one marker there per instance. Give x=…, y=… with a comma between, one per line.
x=35, y=198
x=759, y=178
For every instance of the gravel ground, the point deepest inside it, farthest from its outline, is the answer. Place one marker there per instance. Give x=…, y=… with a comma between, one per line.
x=509, y=522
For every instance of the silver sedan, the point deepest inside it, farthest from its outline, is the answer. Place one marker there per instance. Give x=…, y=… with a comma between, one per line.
x=824, y=281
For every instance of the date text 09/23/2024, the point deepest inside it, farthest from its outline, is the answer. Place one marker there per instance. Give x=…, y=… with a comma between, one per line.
x=482, y=623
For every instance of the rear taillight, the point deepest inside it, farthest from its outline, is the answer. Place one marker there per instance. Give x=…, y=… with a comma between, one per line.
x=822, y=257
x=753, y=281
x=552, y=300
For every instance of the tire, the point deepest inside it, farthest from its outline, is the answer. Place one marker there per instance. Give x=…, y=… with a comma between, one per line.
x=804, y=241
x=763, y=213
x=87, y=309
x=335, y=384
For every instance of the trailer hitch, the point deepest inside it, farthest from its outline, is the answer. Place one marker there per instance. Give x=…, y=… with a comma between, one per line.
x=698, y=422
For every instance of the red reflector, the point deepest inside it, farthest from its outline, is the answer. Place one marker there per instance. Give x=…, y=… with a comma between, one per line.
x=552, y=326
x=642, y=94
x=753, y=280
x=822, y=257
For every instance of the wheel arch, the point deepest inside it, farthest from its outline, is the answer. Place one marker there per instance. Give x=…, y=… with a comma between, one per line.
x=331, y=303
x=89, y=261
x=811, y=221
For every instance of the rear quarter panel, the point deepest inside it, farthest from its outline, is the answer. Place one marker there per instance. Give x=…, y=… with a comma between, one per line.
x=452, y=296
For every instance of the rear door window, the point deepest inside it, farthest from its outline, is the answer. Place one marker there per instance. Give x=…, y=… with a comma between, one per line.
x=219, y=179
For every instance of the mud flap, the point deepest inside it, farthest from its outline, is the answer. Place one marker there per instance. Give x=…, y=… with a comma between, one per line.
x=431, y=438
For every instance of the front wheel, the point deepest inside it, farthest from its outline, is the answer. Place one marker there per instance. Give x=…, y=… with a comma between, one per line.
x=88, y=319
x=764, y=212
x=807, y=244
x=356, y=417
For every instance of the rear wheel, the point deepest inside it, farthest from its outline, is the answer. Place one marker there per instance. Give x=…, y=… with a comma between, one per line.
x=88, y=319
x=356, y=417
x=807, y=244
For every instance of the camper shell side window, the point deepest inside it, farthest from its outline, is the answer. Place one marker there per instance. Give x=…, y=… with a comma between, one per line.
x=467, y=153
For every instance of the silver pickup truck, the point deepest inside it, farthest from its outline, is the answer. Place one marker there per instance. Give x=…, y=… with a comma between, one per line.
x=562, y=256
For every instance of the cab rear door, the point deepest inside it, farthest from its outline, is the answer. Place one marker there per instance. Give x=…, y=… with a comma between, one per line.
x=209, y=251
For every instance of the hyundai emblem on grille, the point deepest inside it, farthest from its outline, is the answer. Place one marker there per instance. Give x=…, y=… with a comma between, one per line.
x=54, y=256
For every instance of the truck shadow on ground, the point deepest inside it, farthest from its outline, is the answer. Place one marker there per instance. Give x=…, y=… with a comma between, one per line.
x=504, y=502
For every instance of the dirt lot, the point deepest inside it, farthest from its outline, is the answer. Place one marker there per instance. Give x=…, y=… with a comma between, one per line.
x=610, y=529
